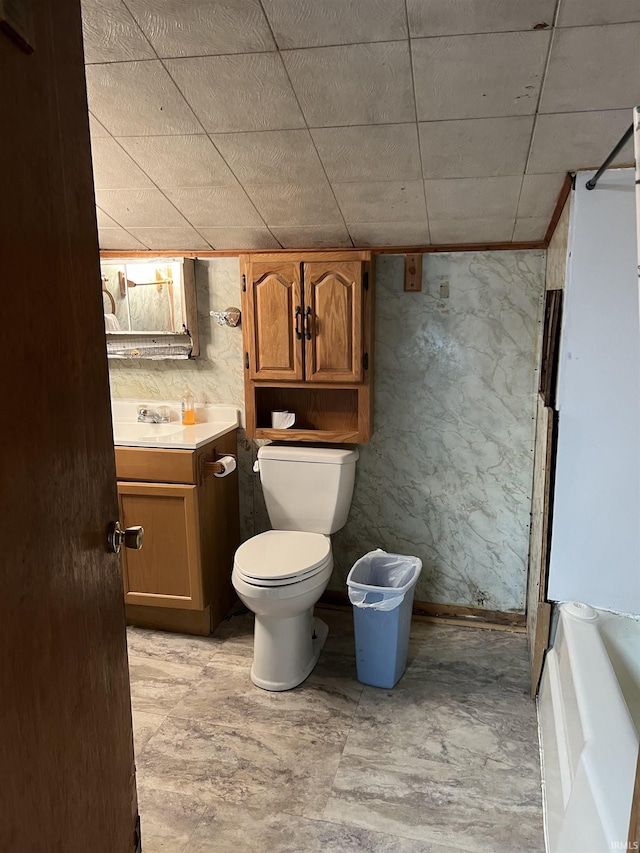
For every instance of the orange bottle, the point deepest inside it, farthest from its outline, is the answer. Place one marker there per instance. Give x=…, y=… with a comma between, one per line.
x=188, y=410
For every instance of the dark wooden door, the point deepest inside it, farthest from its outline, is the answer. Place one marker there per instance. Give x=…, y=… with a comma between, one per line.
x=66, y=750
x=333, y=321
x=274, y=308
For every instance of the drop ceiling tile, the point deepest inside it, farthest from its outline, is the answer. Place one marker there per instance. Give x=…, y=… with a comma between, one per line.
x=105, y=221
x=445, y=18
x=539, y=195
x=118, y=239
x=353, y=84
x=95, y=128
x=592, y=68
x=366, y=234
x=234, y=93
x=203, y=27
x=383, y=152
x=530, y=228
x=388, y=201
x=271, y=157
x=295, y=204
x=563, y=142
x=473, y=148
x=228, y=239
x=471, y=231
x=139, y=208
x=210, y=206
x=179, y=161
x=110, y=34
x=113, y=169
x=313, y=237
x=308, y=23
x=168, y=239
x=138, y=99
x=473, y=198
x=476, y=76
x=579, y=13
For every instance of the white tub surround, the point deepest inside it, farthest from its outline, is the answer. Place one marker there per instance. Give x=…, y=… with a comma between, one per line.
x=212, y=422
x=589, y=719
x=597, y=478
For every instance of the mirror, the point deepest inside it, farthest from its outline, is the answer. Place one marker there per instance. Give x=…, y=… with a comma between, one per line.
x=149, y=307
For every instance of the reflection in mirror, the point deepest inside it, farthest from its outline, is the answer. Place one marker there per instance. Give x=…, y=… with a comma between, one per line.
x=149, y=308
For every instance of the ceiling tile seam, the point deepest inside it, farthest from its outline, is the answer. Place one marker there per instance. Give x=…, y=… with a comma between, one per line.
x=140, y=30
x=130, y=189
x=306, y=124
x=204, y=133
x=95, y=117
x=188, y=106
x=417, y=126
x=121, y=227
x=341, y=126
x=535, y=114
x=353, y=44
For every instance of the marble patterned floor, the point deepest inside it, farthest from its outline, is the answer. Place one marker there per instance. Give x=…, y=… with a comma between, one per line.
x=446, y=761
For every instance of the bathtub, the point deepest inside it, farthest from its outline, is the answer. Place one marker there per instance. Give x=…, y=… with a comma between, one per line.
x=589, y=720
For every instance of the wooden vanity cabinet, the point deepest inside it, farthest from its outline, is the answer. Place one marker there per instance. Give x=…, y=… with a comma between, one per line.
x=181, y=578
x=308, y=336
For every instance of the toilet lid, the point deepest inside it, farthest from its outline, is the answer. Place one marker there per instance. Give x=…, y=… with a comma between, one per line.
x=282, y=555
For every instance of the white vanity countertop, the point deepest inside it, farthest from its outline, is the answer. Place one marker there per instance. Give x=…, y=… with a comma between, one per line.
x=212, y=422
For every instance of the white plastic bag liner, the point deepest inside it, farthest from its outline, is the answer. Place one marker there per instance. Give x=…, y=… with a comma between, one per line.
x=380, y=580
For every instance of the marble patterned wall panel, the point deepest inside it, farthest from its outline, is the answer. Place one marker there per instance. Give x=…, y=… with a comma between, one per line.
x=447, y=476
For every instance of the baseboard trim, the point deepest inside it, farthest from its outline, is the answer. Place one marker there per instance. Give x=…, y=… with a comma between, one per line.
x=450, y=614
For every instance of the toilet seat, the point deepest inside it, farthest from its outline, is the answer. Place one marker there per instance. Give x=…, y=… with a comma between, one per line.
x=282, y=557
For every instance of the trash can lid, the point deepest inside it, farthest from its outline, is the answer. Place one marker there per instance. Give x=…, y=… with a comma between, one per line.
x=282, y=554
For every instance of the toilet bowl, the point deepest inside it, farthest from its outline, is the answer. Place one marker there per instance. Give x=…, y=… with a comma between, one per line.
x=281, y=574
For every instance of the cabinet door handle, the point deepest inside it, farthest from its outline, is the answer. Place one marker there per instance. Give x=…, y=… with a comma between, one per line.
x=307, y=324
x=298, y=313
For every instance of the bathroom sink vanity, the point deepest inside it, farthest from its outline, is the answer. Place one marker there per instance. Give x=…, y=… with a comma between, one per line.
x=181, y=578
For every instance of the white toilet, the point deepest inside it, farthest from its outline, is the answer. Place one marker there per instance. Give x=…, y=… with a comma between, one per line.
x=281, y=574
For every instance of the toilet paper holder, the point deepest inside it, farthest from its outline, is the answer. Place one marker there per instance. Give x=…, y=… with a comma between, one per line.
x=220, y=467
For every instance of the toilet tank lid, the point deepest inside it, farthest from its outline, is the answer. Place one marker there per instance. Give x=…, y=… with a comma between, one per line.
x=325, y=455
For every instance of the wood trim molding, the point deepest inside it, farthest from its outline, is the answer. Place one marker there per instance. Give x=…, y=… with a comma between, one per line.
x=357, y=251
x=563, y=195
x=456, y=614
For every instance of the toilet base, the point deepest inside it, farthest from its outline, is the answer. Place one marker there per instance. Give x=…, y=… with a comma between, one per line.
x=285, y=651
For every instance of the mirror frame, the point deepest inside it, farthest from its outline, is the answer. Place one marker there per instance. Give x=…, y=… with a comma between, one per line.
x=188, y=283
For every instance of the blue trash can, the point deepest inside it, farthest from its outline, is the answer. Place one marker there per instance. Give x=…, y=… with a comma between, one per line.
x=381, y=588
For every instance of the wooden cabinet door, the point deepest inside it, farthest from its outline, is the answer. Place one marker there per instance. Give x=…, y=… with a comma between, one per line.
x=166, y=571
x=274, y=322
x=333, y=321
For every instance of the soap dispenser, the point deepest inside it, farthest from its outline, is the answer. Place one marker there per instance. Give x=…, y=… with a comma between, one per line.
x=188, y=411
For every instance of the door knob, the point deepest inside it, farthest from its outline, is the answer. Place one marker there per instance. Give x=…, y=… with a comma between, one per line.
x=132, y=537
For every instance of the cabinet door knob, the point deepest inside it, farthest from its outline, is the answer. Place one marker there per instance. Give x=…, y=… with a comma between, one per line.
x=307, y=324
x=132, y=537
x=298, y=313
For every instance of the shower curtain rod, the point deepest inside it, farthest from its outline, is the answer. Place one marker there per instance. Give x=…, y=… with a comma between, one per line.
x=591, y=184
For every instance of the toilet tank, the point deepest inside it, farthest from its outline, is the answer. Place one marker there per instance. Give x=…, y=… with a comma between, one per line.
x=307, y=488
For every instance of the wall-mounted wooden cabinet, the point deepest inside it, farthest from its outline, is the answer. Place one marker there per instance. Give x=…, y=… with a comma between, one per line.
x=308, y=338
x=181, y=578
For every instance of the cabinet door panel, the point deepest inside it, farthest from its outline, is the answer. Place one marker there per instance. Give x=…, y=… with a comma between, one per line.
x=274, y=294
x=166, y=571
x=333, y=302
